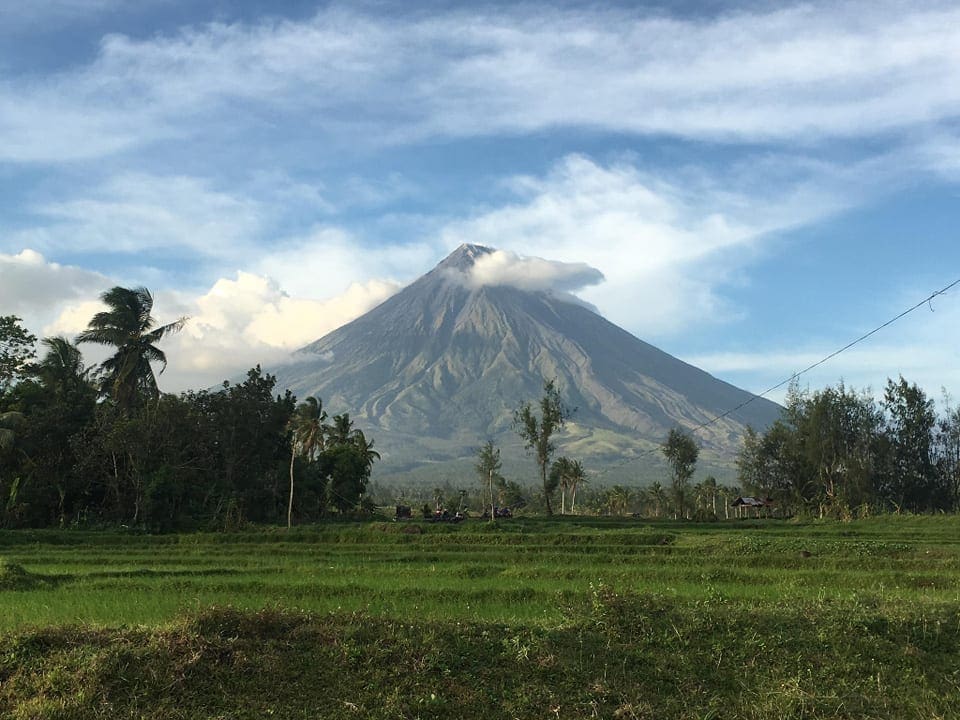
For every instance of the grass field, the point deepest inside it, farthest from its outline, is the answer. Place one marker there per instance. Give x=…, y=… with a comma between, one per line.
x=554, y=618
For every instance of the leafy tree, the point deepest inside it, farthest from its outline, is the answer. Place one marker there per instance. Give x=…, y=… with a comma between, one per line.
x=16, y=351
x=128, y=326
x=681, y=453
x=346, y=471
x=59, y=402
x=251, y=441
x=488, y=468
x=307, y=438
x=822, y=454
x=537, y=432
x=909, y=481
x=839, y=429
x=345, y=464
x=947, y=451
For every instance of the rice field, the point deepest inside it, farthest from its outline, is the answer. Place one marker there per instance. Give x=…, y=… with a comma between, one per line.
x=522, y=572
x=561, y=618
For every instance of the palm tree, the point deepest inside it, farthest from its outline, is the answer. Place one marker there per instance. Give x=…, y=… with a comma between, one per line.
x=567, y=474
x=618, y=499
x=365, y=447
x=659, y=498
x=560, y=477
x=129, y=327
x=576, y=478
x=10, y=422
x=62, y=369
x=307, y=438
x=341, y=432
x=709, y=491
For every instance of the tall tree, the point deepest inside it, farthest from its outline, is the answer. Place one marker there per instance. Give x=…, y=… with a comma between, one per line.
x=681, y=453
x=129, y=327
x=909, y=479
x=488, y=468
x=61, y=369
x=306, y=438
x=576, y=478
x=16, y=351
x=948, y=451
x=567, y=474
x=365, y=447
x=708, y=494
x=537, y=432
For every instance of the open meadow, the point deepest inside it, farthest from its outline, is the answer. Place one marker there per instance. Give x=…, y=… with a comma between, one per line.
x=561, y=618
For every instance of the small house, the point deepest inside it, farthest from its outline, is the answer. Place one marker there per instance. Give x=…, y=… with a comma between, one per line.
x=757, y=504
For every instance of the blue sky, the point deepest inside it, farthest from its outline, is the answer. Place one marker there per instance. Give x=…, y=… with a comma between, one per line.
x=758, y=183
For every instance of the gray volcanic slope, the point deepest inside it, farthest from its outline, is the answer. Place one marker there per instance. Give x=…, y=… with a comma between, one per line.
x=439, y=368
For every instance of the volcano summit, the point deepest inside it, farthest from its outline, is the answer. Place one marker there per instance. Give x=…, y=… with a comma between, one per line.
x=440, y=367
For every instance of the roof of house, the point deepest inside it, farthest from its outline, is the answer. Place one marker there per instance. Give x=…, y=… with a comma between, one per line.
x=750, y=501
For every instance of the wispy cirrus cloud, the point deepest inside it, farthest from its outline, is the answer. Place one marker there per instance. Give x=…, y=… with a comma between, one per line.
x=665, y=244
x=137, y=212
x=801, y=73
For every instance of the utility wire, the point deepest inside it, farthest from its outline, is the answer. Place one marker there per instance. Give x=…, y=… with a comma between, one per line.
x=807, y=369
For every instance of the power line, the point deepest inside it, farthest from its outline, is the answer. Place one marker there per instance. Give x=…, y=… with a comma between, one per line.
x=817, y=364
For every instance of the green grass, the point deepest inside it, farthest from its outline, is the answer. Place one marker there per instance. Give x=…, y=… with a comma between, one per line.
x=571, y=617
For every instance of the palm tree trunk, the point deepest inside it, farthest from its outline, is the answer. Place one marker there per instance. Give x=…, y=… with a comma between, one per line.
x=493, y=515
x=293, y=455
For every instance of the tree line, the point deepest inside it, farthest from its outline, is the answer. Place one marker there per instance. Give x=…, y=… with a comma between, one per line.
x=839, y=452
x=102, y=446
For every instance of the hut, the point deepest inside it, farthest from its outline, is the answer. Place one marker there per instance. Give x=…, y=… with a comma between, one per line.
x=744, y=503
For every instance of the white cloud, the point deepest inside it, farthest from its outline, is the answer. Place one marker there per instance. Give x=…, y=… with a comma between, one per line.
x=532, y=274
x=664, y=247
x=811, y=71
x=34, y=288
x=241, y=322
x=233, y=325
x=327, y=260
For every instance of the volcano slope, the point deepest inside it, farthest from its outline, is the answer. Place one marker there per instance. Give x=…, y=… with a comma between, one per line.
x=438, y=369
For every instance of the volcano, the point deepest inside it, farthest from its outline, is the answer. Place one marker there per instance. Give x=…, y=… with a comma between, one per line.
x=439, y=368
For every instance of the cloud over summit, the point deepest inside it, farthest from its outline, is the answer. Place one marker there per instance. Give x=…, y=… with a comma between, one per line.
x=533, y=274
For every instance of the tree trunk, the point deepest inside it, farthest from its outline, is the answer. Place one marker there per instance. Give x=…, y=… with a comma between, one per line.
x=546, y=495
x=290, y=502
x=493, y=515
